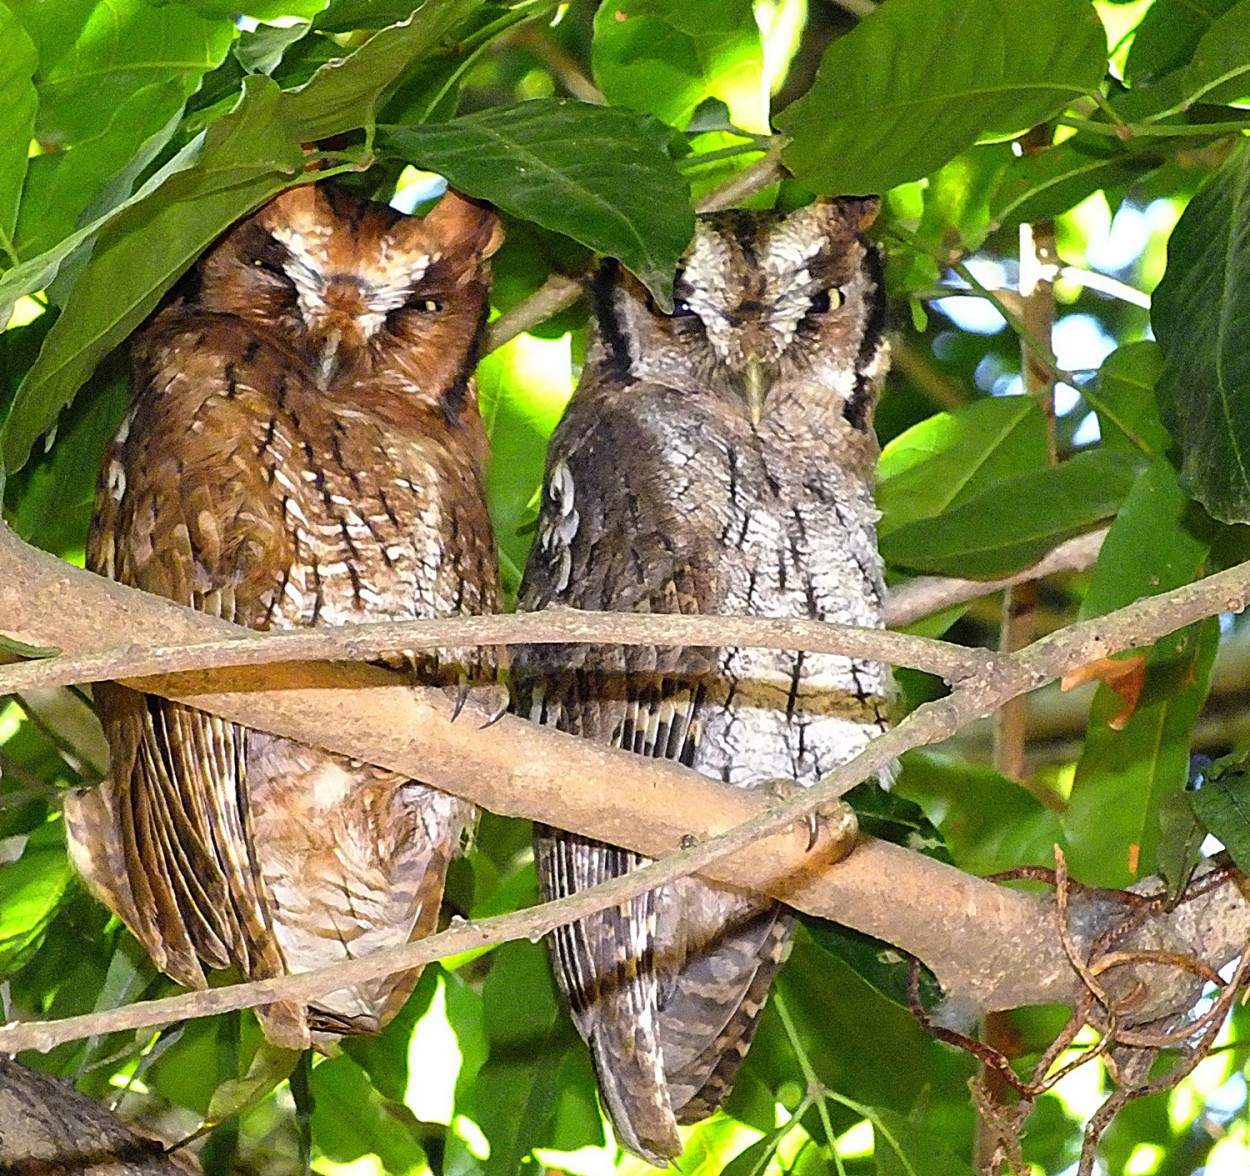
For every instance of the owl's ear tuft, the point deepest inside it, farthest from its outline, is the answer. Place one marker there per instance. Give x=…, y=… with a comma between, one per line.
x=861, y=211
x=465, y=225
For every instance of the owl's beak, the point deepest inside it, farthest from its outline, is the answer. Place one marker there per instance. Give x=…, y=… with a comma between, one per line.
x=756, y=381
x=328, y=358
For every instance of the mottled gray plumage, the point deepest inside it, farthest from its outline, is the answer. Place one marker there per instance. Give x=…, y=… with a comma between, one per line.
x=716, y=460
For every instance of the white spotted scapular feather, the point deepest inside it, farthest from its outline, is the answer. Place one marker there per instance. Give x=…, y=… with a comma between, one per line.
x=718, y=459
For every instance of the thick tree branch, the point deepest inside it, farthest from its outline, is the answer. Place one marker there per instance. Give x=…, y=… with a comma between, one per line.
x=981, y=940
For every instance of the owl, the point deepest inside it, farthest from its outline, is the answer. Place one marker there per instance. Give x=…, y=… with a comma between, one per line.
x=304, y=449
x=718, y=459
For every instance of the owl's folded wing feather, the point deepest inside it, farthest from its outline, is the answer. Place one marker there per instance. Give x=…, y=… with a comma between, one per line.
x=166, y=840
x=644, y=699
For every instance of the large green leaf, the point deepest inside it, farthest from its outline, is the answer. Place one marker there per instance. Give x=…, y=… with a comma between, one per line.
x=1041, y=185
x=18, y=104
x=594, y=173
x=518, y=1088
x=952, y=456
x=1015, y=521
x=665, y=57
x=1158, y=542
x=1222, y=804
x=105, y=96
x=1201, y=316
x=919, y=80
x=32, y=889
x=1168, y=35
x=351, y=1119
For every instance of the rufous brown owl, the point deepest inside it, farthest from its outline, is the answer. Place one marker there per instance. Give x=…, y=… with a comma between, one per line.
x=718, y=459
x=304, y=449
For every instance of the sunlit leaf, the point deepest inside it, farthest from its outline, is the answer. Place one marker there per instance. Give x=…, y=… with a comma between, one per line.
x=919, y=80
x=127, y=72
x=666, y=57
x=594, y=173
x=903, y=1148
x=351, y=1119
x=1015, y=521
x=270, y=1065
x=18, y=104
x=952, y=456
x=32, y=888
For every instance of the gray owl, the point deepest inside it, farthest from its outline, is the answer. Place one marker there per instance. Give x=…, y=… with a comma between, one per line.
x=718, y=459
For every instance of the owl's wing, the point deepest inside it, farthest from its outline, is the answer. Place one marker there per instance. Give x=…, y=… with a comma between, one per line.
x=166, y=841
x=657, y=1015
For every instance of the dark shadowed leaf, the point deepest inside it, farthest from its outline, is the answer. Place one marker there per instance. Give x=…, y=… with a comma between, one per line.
x=1222, y=804
x=1042, y=185
x=920, y=80
x=597, y=174
x=1201, y=316
x=1124, y=398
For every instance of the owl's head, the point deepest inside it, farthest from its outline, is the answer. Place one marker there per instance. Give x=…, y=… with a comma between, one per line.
x=777, y=313
x=355, y=288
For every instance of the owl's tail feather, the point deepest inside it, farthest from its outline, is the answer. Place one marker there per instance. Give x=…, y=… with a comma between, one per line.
x=711, y=1074
x=630, y=1070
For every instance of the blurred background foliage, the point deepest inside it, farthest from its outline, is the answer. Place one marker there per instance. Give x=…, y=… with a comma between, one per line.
x=132, y=132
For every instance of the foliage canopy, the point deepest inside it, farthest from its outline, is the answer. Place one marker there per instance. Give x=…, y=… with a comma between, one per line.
x=133, y=132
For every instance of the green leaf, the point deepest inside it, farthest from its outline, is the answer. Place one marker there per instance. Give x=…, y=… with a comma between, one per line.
x=32, y=889
x=952, y=456
x=1222, y=804
x=18, y=104
x=242, y=164
x=1124, y=398
x=518, y=1087
x=127, y=73
x=270, y=1065
x=918, y=81
x=1201, y=317
x=957, y=198
x=1015, y=521
x=244, y=158
x=1041, y=185
x=1168, y=35
x=351, y=1119
x=902, y=1148
x=1158, y=542
x=666, y=57
x=989, y=822
x=594, y=173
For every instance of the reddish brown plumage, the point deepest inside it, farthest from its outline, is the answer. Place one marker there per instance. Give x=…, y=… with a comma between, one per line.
x=304, y=449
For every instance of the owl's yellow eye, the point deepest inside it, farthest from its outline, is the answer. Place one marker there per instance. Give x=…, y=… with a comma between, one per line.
x=429, y=305
x=825, y=301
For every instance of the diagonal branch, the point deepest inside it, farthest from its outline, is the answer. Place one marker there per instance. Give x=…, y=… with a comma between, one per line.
x=981, y=940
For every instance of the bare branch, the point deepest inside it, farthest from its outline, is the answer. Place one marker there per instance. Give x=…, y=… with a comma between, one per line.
x=930, y=594
x=981, y=940
x=551, y=627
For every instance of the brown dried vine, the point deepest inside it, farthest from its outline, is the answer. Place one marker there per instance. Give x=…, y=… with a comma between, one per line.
x=1129, y=1051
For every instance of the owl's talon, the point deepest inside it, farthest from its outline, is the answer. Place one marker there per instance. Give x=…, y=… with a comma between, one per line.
x=462, y=696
